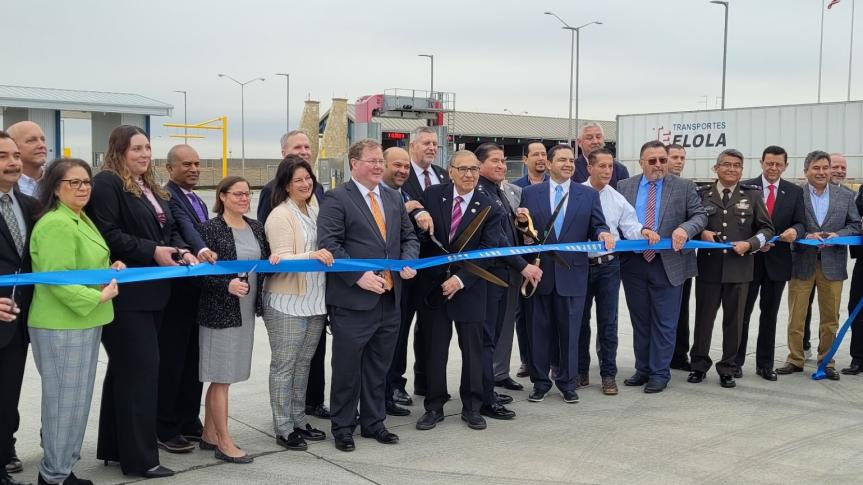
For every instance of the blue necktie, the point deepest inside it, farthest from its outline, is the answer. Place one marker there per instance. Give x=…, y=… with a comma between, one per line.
x=558, y=223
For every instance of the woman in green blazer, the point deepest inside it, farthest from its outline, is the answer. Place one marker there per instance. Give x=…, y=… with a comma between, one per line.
x=66, y=321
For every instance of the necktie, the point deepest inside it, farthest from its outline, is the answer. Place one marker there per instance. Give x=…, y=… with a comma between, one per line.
x=771, y=199
x=198, y=206
x=382, y=226
x=405, y=196
x=426, y=179
x=650, y=218
x=12, y=222
x=456, y=216
x=558, y=223
x=726, y=196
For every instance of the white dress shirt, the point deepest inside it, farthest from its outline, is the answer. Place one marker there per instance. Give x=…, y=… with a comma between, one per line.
x=28, y=185
x=552, y=186
x=765, y=191
x=418, y=171
x=619, y=215
x=364, y=191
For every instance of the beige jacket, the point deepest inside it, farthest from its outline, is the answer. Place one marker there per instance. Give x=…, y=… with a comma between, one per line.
x=288, y=239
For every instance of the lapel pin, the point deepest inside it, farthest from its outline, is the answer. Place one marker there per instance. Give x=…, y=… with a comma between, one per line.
x=473, y=210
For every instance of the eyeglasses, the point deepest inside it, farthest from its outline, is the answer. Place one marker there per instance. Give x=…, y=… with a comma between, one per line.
x=241, y=195
x=656, y=160
x=464, y=169
x=372, y=162
x=76, y=184
x=733, y=166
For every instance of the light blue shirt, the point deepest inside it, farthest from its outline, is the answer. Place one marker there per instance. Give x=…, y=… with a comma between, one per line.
x=641, y=201
x=820, y=203
x=28, y=185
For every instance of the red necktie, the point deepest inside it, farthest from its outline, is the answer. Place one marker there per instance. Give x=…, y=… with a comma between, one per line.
x=649, y=217
x=456, y=217
x=771, y=199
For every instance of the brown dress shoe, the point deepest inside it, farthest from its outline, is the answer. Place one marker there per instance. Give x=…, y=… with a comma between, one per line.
x=788, y=368
x=609, y=387
x=583, y=380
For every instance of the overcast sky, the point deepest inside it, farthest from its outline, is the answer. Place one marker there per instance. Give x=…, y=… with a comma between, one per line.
x=648, y=56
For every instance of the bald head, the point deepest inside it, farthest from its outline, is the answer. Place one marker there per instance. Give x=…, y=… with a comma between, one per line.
x=31, y=141
x=184, y=166
x=398, y=166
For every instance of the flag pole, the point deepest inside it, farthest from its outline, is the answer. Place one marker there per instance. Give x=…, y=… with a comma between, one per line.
x=821, y=48
x=851, y=50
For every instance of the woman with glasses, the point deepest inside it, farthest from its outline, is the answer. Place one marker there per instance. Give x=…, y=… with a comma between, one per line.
x=227, y=310
x=131, y=211
x=66, y=320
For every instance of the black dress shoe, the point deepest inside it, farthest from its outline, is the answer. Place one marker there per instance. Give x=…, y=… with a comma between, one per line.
x=194, y=437
x=311, y=434
x=206, y=445
x=294, y=441
x=345, y=442
x=177, y=444
x=401, y=397
x=429, y=420
x=510, y=384
x=496, y=411
x=570, y=397
x=319, y=411
x=738, y=373
x=238, y=460
x=681, y=365
x=654, y=386
x=474, y=421
x=394, y=409
x=727, y=381
x=636, y=380
x=788, y=368
x=853, y=369
x=159, y=472
x=696, y=376
x=522, y=371
x=766, y=374
x=831, y=374
x=14, y=465
x=502, y=398
x=536, y=396
x=73, y=480
x=5, y=479
x=382, y=436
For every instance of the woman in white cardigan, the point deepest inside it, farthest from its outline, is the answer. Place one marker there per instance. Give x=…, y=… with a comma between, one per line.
x=294, y=307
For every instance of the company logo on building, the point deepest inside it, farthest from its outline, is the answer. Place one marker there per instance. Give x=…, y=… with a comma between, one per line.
x=697, y=134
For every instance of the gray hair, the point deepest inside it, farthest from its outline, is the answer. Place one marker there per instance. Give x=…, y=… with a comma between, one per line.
x=814, y=157
x=462, y=154
x=730, y=152
x=415, y=134
x=590, y=124
x=172, y=153
x=284, y=140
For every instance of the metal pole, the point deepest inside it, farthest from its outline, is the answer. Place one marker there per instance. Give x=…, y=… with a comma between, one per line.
x=288, y=101
x=577, y=51
x=185, y=116
x=821, y=50
x=571, y=68
x=243, y=126
x=851, y=50
x=724, y=52
x=432, y=75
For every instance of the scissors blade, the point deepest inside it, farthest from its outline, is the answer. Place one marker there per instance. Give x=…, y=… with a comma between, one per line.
x=484, y=274
x=548, y=227
x=471, y=229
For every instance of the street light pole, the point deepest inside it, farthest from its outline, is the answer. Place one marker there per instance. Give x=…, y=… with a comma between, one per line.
x=243, y=113
x=185, y=116
x=431, y=58
x=288, y=98
x=725, y=51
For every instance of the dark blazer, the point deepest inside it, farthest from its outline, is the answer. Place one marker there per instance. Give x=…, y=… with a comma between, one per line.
x=788, y=212
x=265, y=199
x=857, y=251
x=620, y=172
x=186, y=217
x=509, y=235
x=347, y=229
x=438, y=200
x=10, y=262
x=217, y=308
x=132, y=231
x=582, y=221
x=412, y=185
x=843, y=219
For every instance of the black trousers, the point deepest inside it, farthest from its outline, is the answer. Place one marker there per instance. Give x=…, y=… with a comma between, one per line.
x=179, y=398
x=363, y=344
x=708, y=298
x=12, y=360
x=396, y=373
x=315, y=386
x=770, y=293
x=437, y=333
x=857, y=326
x=681, y=342
x=495, y=311
x=127, y=419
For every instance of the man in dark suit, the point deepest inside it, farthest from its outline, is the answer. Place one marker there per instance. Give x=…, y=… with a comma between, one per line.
x=856, y=293
x=362, y=219
x=737, y=215
x=179, y=403
x=17, y=216
x=784, y=203
x=653, y=280
x=590, y=138
x=560, y=295
x=296, y=142
x=452, y=292
x=423, y=174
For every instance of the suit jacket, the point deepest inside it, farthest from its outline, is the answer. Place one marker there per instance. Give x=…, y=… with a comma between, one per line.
x=132, y=231
x=843, y=219
x=508, y=235
x=438, y=200
x=582, y=221
x=412, y=185
x=788, y=212
x=217, y=308
x=857, y=251
x=11, y=262
x=187, y=219
x=265, y=199
x=347, y=229
x=680, y=206
x=619, y=173
x=741, y=219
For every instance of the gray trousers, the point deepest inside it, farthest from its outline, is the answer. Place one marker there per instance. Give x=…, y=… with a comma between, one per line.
x=66, y=360
x=503, y=347
x=293, y=341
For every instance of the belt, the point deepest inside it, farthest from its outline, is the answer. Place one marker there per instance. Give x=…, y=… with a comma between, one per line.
x=600, y=259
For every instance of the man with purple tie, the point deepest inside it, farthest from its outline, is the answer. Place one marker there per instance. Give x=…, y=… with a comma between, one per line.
x=178, y=424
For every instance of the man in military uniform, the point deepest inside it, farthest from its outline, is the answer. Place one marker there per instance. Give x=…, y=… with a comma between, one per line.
x=736, y=214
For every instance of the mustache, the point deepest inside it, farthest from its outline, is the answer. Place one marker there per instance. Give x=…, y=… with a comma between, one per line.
x=12, y=170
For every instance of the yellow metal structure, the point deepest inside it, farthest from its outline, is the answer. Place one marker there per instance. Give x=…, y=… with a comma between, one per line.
x=220, y=123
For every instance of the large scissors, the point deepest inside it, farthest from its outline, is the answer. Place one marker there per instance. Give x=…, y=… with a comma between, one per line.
x=527, y=288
